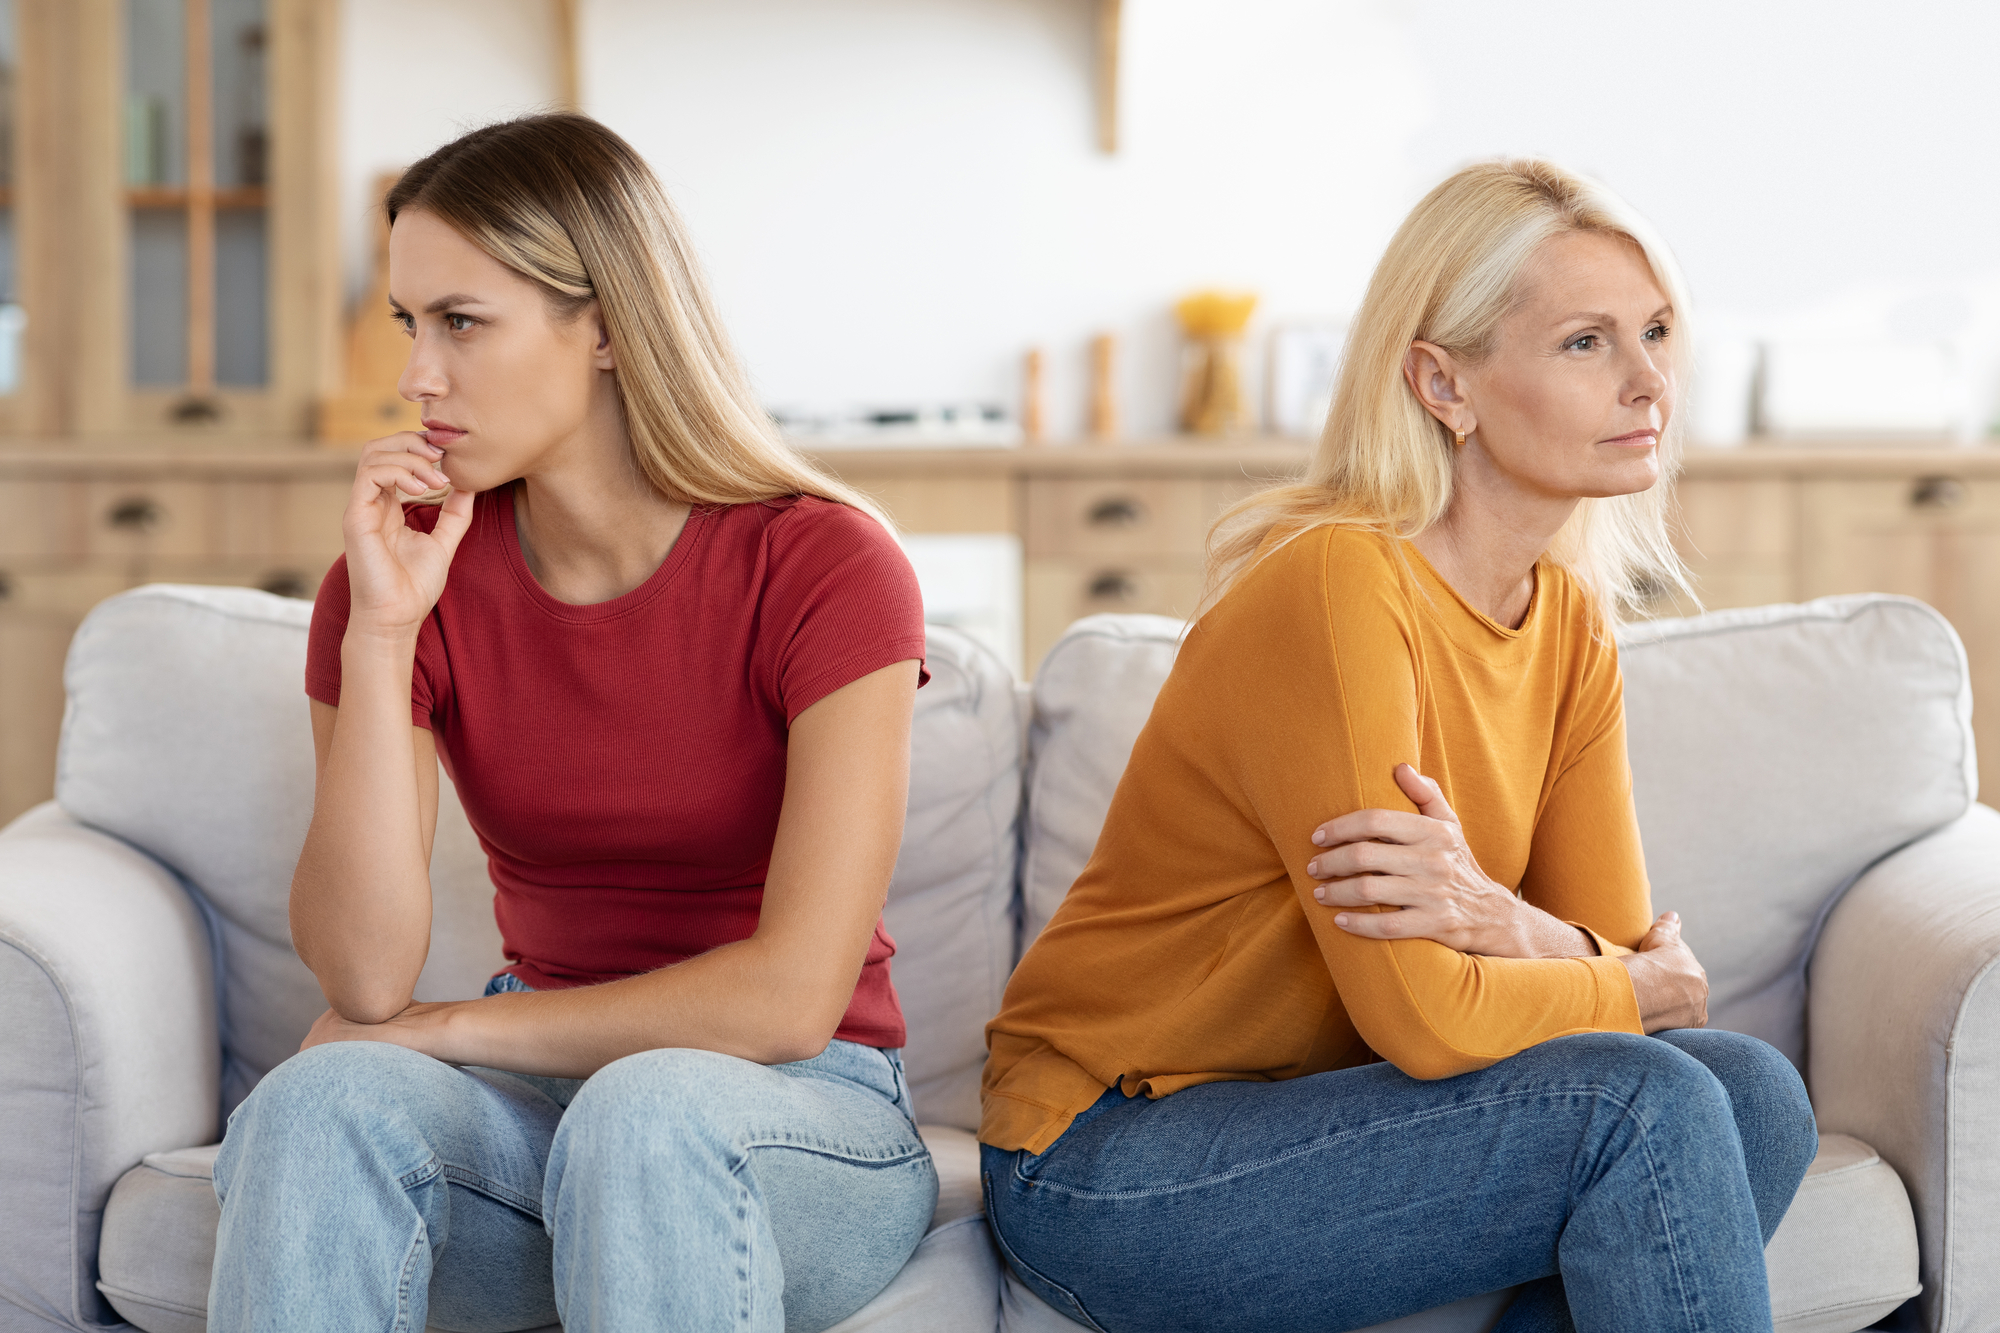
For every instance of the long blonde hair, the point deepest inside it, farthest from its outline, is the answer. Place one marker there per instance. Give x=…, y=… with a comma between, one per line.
x=1384, y=463
x=565, y=202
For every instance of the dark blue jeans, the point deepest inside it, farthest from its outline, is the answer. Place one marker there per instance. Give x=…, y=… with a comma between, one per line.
x=1626, y=1183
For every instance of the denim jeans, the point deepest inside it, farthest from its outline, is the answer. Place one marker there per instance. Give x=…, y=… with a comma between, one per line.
x=367, y=1187
x=1626, y=1183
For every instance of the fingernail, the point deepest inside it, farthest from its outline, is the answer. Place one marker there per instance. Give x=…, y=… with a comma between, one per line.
x=1319, y=837
x=1340, y=920
x=1312, y=867
x=1319, y=895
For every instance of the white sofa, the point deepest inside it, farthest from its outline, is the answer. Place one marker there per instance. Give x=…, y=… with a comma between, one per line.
x=1805, y=785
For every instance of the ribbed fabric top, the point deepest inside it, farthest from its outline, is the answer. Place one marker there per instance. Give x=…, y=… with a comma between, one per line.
x=1191, y=949
x=623, y=763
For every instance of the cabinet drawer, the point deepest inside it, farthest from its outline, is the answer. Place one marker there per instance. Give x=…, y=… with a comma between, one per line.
x=942, y=504
x=1095, y=518
x=142, y=517
x=1060, y=591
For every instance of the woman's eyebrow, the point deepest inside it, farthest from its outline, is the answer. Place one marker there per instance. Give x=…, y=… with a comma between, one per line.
x=447, y=302
x=1600, y=317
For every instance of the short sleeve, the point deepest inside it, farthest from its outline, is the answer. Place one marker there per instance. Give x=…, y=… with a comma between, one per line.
x=329, y=627
x=839, y=601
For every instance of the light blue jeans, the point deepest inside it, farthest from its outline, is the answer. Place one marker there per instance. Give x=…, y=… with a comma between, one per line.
x=366, y=1187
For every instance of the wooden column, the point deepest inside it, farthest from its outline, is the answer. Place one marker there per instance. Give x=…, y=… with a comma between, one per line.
x=201, y=199
x=569, y=91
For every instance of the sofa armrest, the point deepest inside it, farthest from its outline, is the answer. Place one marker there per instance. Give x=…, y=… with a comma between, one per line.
x=108, y=1050
x=1904, y=1049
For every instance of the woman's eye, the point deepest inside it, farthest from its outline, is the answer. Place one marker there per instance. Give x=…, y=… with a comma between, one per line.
x=1658, y=333
x=1586, y=343
x=458, y=323
x=405, y=323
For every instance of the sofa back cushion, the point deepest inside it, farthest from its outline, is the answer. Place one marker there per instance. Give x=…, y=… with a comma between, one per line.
x=188, y=735
x=1776, y=753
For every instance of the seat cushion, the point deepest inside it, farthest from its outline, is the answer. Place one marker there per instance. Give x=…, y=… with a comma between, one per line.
x=158, y=1246
x=1845, y=1255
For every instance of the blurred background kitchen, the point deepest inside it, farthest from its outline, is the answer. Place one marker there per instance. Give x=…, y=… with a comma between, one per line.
x=1056, y=279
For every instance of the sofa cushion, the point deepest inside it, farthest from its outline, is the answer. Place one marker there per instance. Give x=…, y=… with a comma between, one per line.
x=951, y=901
x=1092, y=695
x=1845, y=1255
x=1778, y=752
x=187, y=734
x=158, y=1246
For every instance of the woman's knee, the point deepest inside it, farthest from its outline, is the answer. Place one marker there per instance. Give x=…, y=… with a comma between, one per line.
x=1766, y=1095
x=665, y=1101
x=341, y=1094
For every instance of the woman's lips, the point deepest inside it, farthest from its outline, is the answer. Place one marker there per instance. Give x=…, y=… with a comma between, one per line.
x=440, y=434
x=1648, y=437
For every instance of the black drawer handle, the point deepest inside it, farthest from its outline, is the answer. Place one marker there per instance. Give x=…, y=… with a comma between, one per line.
x=1937, y=493
x=137, y=514
x=284, y=583
x=1113, y=586
x=1117, y=512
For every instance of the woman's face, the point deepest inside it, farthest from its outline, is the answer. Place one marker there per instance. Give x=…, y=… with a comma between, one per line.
x=1579, y=386
x=502, y=383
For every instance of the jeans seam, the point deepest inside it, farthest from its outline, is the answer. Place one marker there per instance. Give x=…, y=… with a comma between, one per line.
x=493, y=1190
x=840, y=1154
x=1015, y=1261
x=1313, y=1145
x=1694, y=1318
x=420, y=1241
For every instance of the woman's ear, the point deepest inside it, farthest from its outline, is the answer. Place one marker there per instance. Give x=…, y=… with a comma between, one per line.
x=1437, y=380
x=601, y=356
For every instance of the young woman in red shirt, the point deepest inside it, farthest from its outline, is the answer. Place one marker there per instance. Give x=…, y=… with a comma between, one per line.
x=670, y=670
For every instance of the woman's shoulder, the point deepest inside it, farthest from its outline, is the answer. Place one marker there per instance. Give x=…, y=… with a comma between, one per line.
x=1352, y=561
x=806, y=520
x=803, y=537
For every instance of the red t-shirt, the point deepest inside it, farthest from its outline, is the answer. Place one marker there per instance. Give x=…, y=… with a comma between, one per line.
x=623, y=763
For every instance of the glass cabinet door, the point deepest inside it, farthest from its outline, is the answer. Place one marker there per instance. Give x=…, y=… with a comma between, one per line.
x=197, y=158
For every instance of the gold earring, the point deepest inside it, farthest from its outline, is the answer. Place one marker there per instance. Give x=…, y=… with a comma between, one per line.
x=1461, y=439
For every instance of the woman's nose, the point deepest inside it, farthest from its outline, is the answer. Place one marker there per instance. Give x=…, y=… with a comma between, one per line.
x=421, y=378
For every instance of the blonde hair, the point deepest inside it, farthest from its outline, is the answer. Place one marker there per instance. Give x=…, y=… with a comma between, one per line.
x=1384, y=463
x=568, y=204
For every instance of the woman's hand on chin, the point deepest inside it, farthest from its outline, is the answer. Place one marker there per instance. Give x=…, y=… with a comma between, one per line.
x=1422, y=876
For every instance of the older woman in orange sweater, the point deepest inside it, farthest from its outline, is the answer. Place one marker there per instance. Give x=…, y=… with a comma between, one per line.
x=1360, y=1007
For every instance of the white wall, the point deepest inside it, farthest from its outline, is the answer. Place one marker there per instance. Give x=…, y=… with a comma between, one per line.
x=896, y=197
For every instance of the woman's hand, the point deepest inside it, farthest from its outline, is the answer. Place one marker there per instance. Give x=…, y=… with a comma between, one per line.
x=417, y=1027
x=1671, y=987
x=394, y=572
x=1420, y=863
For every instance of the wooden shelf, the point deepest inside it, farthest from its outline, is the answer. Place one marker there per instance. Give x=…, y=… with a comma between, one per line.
x=179, y=196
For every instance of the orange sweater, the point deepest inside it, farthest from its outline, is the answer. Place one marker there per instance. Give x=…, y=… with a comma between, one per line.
x=1191, y=950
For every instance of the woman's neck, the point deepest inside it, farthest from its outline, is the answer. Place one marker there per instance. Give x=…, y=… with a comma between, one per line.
x=1489, y=539
x=591, y=527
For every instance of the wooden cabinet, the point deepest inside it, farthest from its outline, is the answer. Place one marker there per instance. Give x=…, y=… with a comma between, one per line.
x=1768, y=525
x=76, y=528
x=1102, y=528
